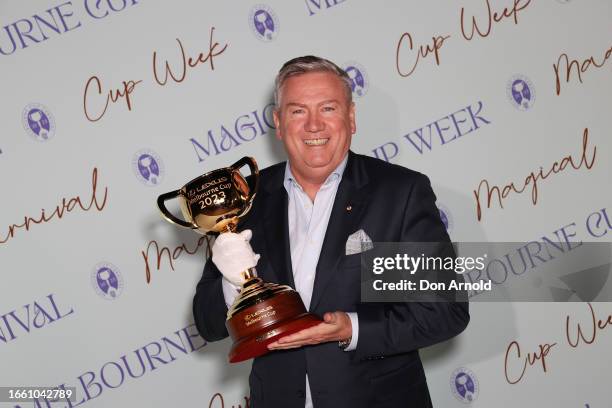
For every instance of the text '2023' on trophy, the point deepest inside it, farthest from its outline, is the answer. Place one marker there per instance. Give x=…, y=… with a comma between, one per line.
x=262, y=312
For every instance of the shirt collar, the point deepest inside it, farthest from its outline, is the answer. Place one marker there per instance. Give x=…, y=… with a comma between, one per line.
x=336, y=174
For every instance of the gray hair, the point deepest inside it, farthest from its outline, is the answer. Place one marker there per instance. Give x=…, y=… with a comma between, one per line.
x=310, y=63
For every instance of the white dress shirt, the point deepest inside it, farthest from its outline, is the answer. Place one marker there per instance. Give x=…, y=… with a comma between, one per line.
x=307, y=227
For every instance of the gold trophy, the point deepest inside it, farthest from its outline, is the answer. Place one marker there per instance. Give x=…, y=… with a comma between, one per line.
x=262, y=312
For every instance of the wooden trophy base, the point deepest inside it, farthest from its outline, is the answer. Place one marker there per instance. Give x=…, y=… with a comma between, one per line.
x=263, y=313
x=252, y=347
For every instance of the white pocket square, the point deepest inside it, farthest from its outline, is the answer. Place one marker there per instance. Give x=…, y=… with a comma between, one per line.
x=358, y=242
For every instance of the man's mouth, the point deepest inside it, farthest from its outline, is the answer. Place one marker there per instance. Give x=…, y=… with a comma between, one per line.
x=316, y=142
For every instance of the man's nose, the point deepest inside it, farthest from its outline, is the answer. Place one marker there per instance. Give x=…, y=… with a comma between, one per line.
x=314, y=123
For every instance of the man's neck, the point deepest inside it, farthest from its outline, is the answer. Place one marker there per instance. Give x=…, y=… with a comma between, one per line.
x=310, y=185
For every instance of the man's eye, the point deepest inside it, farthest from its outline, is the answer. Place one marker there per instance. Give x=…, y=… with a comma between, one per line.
x=296, y=111
x=328, y=109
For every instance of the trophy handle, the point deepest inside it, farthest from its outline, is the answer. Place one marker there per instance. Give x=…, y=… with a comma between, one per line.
x=167, y=214
x=249, y=161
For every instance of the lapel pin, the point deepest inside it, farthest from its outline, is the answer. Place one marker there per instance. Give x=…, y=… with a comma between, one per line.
x=349, y=208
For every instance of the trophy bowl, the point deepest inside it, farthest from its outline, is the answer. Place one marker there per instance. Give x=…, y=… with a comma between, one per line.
x=215, y=201
x=263, y=311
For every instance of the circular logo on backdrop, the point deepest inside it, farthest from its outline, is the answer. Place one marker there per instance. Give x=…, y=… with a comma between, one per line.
x=464, y=385
x=38, y=122
x=446, y=217
x=521, y=92
x=359, y=78
x=107, y=281
x=148, y=167
x=263, y=22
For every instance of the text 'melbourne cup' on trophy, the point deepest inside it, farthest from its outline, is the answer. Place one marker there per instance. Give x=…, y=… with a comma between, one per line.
x=262, y=312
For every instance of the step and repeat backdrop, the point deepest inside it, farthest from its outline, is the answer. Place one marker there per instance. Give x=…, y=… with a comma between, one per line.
x=106, y=104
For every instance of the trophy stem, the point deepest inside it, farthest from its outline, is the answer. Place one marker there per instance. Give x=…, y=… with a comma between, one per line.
x=249, y=274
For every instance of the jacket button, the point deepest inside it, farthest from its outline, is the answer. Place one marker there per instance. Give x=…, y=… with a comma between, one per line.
x=301, y=394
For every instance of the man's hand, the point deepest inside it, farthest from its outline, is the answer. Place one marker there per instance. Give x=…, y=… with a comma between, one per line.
x=335, y=327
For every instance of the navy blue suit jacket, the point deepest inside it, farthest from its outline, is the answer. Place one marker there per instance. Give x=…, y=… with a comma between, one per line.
x=391, y=204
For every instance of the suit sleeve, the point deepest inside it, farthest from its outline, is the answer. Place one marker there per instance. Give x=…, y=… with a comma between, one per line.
x=395, y=328
x=209, y=308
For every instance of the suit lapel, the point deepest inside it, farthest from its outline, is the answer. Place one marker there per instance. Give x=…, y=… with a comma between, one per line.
x=276, y=227
x=346, y=214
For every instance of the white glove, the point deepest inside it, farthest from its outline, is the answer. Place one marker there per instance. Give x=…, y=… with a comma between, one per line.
x=232, y=254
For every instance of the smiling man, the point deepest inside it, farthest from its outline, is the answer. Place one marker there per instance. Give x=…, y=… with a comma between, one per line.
x=315, y=119
x=311, y=217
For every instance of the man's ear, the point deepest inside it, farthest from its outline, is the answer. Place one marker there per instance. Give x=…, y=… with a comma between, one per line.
x=276, y=118
x=352, y=118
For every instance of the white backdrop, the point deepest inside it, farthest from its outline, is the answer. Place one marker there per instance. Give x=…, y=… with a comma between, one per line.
x=469, y=108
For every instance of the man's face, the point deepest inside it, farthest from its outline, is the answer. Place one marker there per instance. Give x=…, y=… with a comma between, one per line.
x=315, y=122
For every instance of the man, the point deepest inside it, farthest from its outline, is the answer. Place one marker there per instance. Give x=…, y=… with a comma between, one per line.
x=363, y=354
